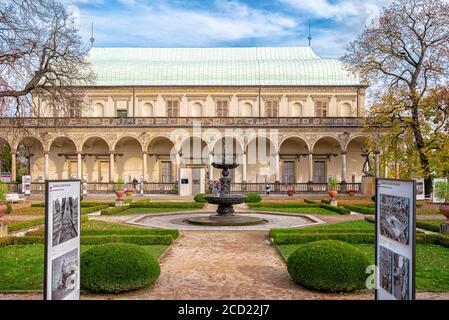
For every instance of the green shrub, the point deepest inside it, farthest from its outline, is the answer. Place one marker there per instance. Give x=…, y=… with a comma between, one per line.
x=310, y=201
x=97, y=203
x=38, y=205
x=289, y=204
x=113, y=210
x=9, y=241
x=128, y=200
x=30, y=211
x=87, y=210
x=143, y=240
x=114, y=268
x=297, y=238
x=430, y=224
x=361, y=209
x=174, y=233
x=325, y=201
x=200, y=197
x=144, y=200
x=329, y=266
x=337, y=209
x=176, y=205
x=8, y=208
x=25, y=224
x=253, y=197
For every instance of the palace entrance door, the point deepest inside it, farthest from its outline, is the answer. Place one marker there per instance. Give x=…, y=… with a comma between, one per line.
x=319, y=171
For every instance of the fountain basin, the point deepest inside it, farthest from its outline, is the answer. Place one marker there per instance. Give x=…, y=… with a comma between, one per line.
x=226, y=199
x=225, y=220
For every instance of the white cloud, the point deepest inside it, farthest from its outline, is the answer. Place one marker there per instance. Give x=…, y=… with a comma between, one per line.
x=169, y=26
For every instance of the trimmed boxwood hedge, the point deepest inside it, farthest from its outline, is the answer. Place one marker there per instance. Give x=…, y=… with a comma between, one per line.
x=329, y=266
x=253, y=197
x=113, y=210
x=134, y=239
x=361, y=209
x=311, y=201
x=176, y=205
x=114, y=268
x=84, y=204
x=87, y=210
x=295, y=238
x=9, y=241
x=174, y=233
x=282, y=205
x=273, y=233
x=200, y=197
x=337, y=209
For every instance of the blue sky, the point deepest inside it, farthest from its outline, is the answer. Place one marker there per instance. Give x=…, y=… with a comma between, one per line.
x=219, y=23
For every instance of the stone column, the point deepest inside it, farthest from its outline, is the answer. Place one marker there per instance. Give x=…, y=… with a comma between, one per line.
x=244, y=167
x=376, y=163
x=111, y=167
x=45, y=165
x=343, y=167
x=211, y=169
x=310, y=167
x=277, y=167
x=343, y=186
x=78, y=165
x=177, y=165
x=13, y=166
x=144, y=165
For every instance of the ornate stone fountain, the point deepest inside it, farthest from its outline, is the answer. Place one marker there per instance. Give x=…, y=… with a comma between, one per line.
x=225, y=213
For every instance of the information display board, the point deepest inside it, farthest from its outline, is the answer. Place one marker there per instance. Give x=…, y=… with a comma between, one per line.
x=420, y=189
x=395, y=239
x=26, y=184
x=62, y=240
x=435, y=199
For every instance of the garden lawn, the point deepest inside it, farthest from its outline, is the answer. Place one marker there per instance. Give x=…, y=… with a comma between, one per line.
x=22, y=266
x=432, y=264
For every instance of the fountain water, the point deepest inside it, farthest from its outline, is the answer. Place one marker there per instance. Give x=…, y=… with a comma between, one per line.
x=225, y=213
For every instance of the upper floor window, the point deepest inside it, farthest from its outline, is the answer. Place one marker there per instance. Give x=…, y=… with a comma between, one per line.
x=296, y=110
x=321, y=108
x=346, y=110
x=197, y=110
x=172, y=108
x=147, y=110
x=98, y=110
x=271, y=108
x=122, y=113
x=222, y=108
x=247, y=110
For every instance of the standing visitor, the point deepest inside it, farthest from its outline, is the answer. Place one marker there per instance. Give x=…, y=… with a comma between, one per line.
x=135, y=183
x=267, y=189
x=218, y=185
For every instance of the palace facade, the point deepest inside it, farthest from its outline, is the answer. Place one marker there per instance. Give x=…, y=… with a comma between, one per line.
x=286, y=115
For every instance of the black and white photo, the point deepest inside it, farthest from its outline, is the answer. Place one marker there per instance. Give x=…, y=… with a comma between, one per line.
x=65, y=273
x=385, y=268
x=394, y=217
x=65, y=219
x=400, y=277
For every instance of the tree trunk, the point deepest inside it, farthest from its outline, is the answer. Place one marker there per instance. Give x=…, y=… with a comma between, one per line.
x=419, y=141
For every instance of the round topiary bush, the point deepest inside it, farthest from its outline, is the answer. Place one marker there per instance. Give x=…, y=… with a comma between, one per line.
x=200, y=197
x=253, y=197
x=328, y=265
x=117, y=267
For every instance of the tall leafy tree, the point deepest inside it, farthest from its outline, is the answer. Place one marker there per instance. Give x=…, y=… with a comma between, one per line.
x=404, y=55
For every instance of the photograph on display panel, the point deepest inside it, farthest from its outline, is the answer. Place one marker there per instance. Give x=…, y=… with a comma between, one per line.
x=385, y=268
x=394, y=218
x=65, y=274
x=401, y=271
x=65, y=219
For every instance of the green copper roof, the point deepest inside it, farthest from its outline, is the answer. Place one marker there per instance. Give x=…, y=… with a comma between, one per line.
x=286, y=66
